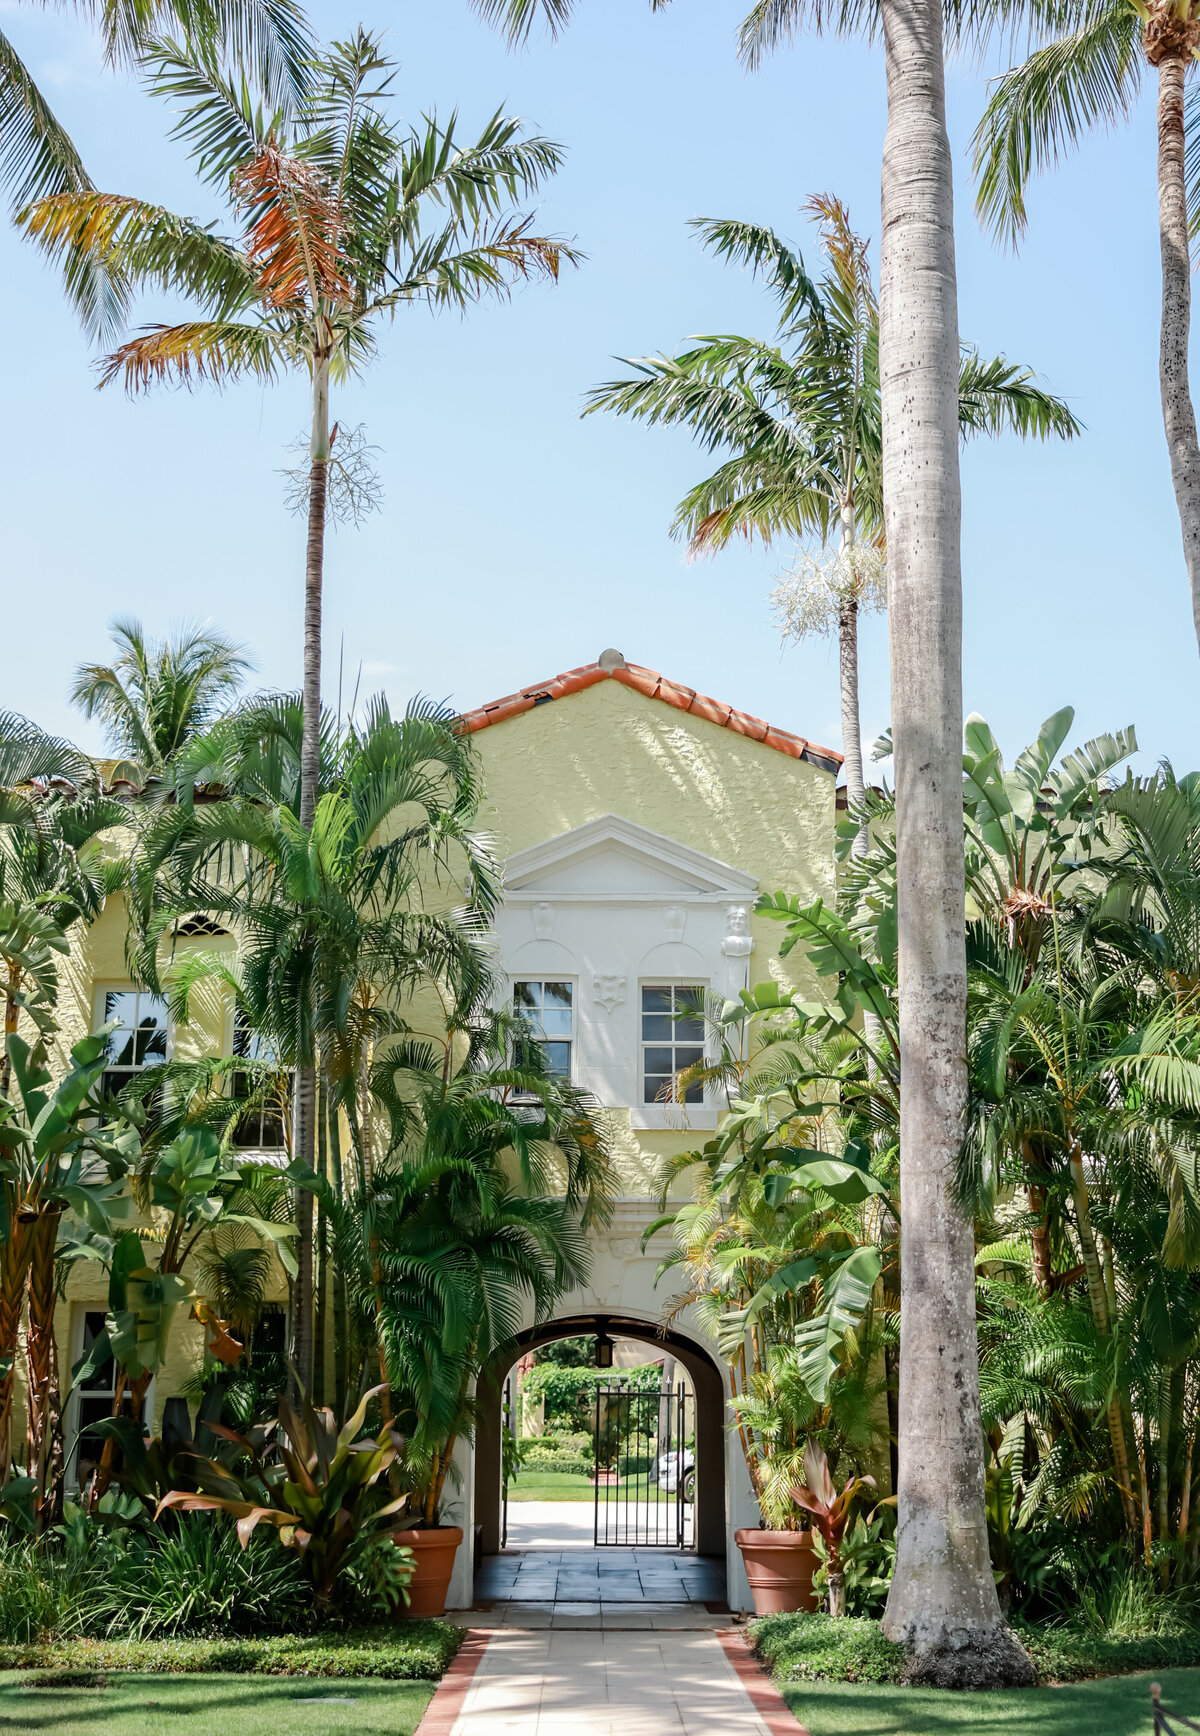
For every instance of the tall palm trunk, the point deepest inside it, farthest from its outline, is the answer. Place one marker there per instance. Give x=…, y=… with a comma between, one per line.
x=305, y=1107
x=1179, y=418
x=852, y=763
x=14, y=1266
x=943, y=1602
x=41, y=1407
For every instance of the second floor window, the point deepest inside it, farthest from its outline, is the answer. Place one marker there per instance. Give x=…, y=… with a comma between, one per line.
x=139, y=1039
x=548, y=1011
x=672, y=1039
x=263, y=1127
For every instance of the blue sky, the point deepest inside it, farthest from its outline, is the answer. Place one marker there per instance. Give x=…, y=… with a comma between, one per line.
x=516, y=540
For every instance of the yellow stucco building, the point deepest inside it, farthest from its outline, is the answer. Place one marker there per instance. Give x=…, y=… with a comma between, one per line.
x=637, y=821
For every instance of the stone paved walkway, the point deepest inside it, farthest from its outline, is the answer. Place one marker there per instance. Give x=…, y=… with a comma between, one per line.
x=612, y=1682
x=586, y=1581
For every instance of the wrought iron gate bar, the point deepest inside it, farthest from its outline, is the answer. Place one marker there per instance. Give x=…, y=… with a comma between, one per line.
x=644, y=1491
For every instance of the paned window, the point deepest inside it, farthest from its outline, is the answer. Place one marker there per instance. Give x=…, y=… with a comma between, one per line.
x=93, y=1403
x=139, y=1039
x=672, y=1039
x=548, y=1011
x=263, y=1127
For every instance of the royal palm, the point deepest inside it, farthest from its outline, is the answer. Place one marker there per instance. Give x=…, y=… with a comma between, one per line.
x=345, y=217
x=1086, y=72
x=800, y=419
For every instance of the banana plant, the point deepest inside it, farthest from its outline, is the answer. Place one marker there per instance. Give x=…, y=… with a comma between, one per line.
x=1026, y=826
x=58, y=1155
x=197, y=1189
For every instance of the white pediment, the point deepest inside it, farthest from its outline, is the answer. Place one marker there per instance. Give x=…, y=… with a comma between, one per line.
x=614, y=858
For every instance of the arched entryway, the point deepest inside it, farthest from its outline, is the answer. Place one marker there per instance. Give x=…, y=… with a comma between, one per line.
x=707, y=1383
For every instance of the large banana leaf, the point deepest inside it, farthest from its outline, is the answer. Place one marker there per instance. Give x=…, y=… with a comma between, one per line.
x=818, y=1341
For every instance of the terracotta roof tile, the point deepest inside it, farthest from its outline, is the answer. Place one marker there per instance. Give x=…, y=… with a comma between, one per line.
x=654, y=686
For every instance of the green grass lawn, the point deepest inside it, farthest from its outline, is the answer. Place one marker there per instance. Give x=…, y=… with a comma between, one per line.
x=136, y=1705
x=570, y=1486
x=1113, y=1706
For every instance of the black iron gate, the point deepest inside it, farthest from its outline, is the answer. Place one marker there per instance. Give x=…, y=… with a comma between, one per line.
x=645, y=1472
x=508, y=1435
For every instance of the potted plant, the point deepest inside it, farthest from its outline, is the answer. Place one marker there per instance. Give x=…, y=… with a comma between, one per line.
x=781, y=1252
x=779, y=1554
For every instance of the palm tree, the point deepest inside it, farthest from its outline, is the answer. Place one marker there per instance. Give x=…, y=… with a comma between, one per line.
x=943, y=1602
x=155, y=696
x=37, y=157
x=333, y=933
x=802, y=419
x=1086, y=72
x=486, y=1177
x=345, y=218
x=943, y=1589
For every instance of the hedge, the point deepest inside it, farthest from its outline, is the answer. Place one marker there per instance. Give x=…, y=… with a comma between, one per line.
x=814, y=1648
x=537, y=1461
x=417, y=1651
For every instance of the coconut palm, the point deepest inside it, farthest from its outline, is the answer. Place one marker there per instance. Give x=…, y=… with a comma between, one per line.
x=345, y=218
x=801, y=416
x=1086, y=72
x=156, y=695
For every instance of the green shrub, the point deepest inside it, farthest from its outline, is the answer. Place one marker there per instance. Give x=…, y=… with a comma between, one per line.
x=42, y=1591
x=815, y=1648
x=1067, y=1652
x=537, y=1461
x=197, y=1579
x=417, y=1651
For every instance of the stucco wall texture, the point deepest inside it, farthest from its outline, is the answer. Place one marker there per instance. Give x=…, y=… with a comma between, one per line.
x=605, y=749
x=609, y=749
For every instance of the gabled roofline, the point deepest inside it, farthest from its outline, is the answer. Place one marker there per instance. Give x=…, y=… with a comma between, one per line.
x=611, y=666
x=717, y=879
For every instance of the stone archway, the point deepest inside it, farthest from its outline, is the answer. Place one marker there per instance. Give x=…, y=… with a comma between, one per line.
x=708, y=1385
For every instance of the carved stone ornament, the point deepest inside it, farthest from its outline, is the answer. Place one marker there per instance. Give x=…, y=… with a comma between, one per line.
x=675, y=918
x=608, y=991
x=543, y=920
x=737, y=942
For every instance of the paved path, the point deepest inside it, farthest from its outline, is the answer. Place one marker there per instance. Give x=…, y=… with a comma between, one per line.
x=582, y=1584
x=608, y=1683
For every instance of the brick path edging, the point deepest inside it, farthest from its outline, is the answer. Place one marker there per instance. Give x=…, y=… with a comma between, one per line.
x=765, y=1697
x=443, y=1710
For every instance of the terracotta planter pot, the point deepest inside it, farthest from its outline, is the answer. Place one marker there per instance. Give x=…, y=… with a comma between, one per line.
x=780, y=1567
x=435, y=1550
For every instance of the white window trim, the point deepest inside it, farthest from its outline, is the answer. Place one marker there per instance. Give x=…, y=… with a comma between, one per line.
x=79, y=1313
x=117, y=986
x=573, y=980
x=276, y=1154
x=663, y=1117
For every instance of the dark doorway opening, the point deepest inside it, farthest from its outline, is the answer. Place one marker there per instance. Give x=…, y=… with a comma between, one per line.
x=705, y=1507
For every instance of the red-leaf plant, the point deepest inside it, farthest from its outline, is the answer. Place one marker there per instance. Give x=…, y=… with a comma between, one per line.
x=829, y=1511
